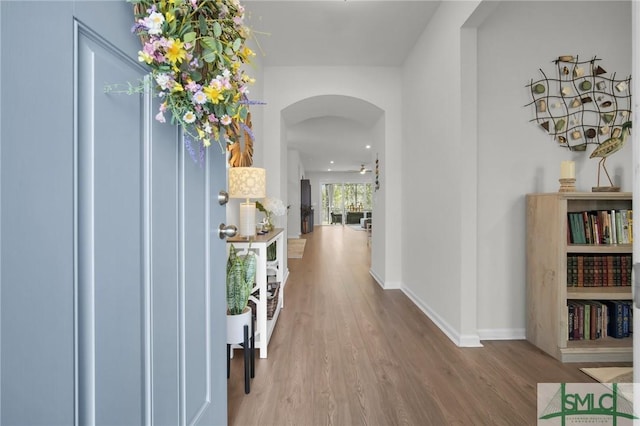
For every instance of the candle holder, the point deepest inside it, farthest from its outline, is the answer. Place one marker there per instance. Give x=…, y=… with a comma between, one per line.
x=567, y=185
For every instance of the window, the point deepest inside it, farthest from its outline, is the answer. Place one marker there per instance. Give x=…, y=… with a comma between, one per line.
x=339, y=198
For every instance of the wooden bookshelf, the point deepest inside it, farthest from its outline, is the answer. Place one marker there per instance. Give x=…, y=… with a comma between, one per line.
x=548, y=246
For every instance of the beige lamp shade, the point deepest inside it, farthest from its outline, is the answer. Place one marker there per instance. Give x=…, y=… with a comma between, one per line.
x=247, y=182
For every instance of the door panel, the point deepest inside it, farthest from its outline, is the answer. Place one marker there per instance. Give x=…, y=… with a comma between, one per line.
x=141, y=281
x=112, y=279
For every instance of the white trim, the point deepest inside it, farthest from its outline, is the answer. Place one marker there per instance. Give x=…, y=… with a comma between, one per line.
x=391, y=285
x=502, y=334
x=377, y=278
x=462, y=340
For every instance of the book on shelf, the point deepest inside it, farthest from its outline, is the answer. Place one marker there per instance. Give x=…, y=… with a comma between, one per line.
x=600, y=227
x=595, y=319
x=598, y=270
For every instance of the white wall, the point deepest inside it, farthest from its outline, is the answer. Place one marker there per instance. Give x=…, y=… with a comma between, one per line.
x=469, y=147
x=517, y=157
x=433, y=175
x=286, y=85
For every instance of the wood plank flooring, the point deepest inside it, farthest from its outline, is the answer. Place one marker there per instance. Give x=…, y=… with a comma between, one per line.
x=346, y=352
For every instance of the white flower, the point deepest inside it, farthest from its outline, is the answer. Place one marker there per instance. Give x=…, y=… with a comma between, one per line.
x=199, y=97
x=164, y=81
x=274, y=206
x=153, y=22
x=189, y=117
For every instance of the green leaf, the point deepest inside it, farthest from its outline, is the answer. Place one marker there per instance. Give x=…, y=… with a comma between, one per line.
x=196, y=76
x=236, y=44
x=209, y=56
x=172, y=27
x=202, y=23
x=189, y=37
x=210, y=43
x=241, y=271
x=217, y=29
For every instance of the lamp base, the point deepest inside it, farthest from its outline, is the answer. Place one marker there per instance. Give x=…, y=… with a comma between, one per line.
x=247, y=219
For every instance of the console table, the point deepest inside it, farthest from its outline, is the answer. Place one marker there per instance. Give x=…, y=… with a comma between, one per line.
x=259, y=244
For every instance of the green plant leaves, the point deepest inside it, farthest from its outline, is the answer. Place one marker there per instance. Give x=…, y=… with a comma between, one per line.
x=189, y=37
x=211, y=48
x=202, y=24
x=217, y=29
x=241, y=273
x=237, y=43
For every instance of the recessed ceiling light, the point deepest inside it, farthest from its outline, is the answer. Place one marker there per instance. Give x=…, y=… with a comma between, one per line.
x=331, y=161
x=328, y=170
x=368, y=146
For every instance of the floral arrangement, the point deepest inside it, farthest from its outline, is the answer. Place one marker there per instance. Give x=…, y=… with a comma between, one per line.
x=195, y=49
x=271, y=207
x=274, y=206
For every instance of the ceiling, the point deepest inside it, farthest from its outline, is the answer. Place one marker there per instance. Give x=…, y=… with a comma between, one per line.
x=334, y=33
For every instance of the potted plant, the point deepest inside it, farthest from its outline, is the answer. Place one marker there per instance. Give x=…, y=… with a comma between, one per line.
x=241, y=273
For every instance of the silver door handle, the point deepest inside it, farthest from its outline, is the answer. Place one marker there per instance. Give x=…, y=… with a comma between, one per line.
x=225, y=231
x=223, y=197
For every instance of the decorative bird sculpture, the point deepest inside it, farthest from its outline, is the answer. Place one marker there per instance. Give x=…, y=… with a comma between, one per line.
x=608, y=147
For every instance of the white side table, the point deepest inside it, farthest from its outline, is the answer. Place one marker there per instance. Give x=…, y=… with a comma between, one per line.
x=259, y=244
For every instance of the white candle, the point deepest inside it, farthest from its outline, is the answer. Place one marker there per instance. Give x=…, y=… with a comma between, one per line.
x=567, y=170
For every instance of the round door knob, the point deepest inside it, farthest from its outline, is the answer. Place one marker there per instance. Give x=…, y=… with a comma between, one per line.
x=223, y=197
x=225, y=231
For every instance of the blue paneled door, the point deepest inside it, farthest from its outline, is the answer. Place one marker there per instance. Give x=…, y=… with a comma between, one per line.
x=138, y=335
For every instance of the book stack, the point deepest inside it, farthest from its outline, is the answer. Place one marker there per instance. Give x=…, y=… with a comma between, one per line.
x=600, y=227
x=592, y=319
x=597, y=270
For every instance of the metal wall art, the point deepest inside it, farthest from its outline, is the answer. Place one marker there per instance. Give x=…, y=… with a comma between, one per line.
x=581, y=104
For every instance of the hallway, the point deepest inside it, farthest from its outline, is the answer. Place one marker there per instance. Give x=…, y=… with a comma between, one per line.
x=346, y=352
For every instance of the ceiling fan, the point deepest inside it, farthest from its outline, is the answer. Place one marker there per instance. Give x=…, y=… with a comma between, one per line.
x=362, y=170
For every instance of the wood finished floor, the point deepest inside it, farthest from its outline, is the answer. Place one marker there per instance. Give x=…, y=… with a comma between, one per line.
x=346, y=352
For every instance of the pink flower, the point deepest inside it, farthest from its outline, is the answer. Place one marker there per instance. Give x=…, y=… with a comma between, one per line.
x=192, y=86
x=160, y=116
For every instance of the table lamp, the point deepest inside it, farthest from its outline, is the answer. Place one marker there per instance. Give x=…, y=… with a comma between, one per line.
x=247, y=183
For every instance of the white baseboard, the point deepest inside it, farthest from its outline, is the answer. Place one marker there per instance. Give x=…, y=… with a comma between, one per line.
x=377, y=278
x=502, y=334
x=385, y=285
x=462, y=340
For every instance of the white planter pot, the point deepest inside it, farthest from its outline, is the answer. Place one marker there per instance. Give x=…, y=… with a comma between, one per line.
x=235, y=326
